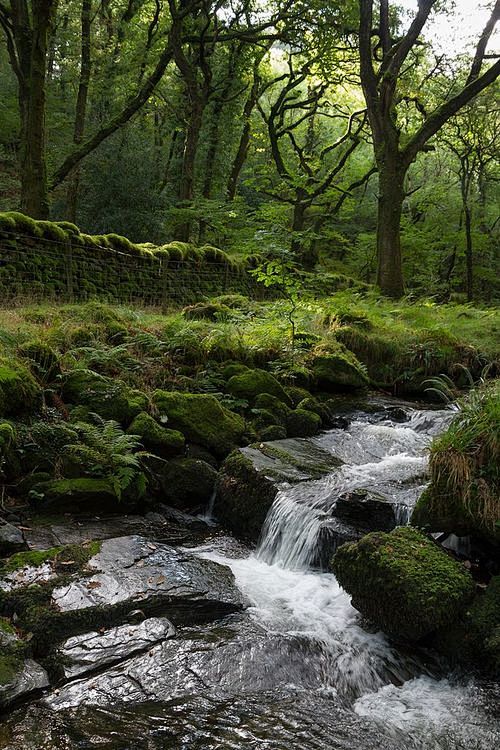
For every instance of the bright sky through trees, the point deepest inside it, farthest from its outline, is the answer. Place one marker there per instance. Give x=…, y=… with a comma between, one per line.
x=456, y=31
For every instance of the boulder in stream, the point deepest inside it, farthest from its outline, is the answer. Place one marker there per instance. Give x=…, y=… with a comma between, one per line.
x=403, y=582
x=250, y=478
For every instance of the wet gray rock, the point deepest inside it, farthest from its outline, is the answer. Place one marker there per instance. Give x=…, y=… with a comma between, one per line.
x=251, y=478
x=75, y=530
x=291, y=460
x=365, y=510
x=91, y=651
x=132, y=572
x=11, y=539
x=27, y=677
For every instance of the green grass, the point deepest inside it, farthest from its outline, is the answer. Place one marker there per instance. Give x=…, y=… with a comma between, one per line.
x=148, y=349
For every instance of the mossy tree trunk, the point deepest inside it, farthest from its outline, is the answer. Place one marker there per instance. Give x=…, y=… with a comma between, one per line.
x=382, y=65
x=81, y=105
x=390, y=206
x=27, y=42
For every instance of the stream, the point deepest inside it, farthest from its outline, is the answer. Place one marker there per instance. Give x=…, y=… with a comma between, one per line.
x=297, y=669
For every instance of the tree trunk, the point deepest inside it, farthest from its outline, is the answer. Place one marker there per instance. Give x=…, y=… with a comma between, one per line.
x=81, y=106
x=390, y=206
x=469, y=274
x=34, y=192
x=186, y=190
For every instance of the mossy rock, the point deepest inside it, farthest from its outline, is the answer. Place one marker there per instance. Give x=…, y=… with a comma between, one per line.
x=337, y=371
x=315, y=406
x=41, y=358
x=68, y=494
x=296, y=394
x=19, y=391
x=251, y=383
x=463, y=496
x=403, y=582
x=109, y=398
x=202, y=419
x=233, y=368
x=187, y=483
x=243, y=497
x=272, y=432
x=7, y=437
x=156, y=438
x=302, y=423
x=206, y=311
x=274, y=406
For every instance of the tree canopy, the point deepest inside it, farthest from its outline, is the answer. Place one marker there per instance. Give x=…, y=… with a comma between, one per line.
x=340, y=135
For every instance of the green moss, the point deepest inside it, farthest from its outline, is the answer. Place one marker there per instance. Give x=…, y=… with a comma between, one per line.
x=296, y=394
x=337, y=371
x=19, y=391
x=24, y=224
x=274, y=405
x=68, y=493
x=251, y=383
x=33, y=558
x=202, y=419
x=206, y=311
x=243, y=496
x=315, y=406
x=7, y=436
x=42, y=359
x=302, y=423
x=108, y=397
x=10, y=666
x=272, y=432
x=403, y=582
x=52, y=231
x=158, y=439
x=187, y=483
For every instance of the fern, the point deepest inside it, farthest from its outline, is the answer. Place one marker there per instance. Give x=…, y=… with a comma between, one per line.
x=106, y=451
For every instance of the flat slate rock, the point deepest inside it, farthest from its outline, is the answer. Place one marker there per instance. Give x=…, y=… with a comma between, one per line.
x=291, y=460
x=76, y=530
x=28, y=679
x=132, y=571
x=91, y=651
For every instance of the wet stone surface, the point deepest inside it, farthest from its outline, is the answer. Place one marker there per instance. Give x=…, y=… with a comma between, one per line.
x=78, y=529
x=291, y=460
x=135, y=570
x=29, y=678
x=91, y=651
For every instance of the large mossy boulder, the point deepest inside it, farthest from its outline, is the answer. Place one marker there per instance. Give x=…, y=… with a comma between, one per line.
x=403, y=582
x=187, y=483
x=202, y=419
x=156, y=438
x=250, y=384
x=84, y=493
x=463, y=496
x=110, y=398
x=244, y=496
x=19, y=392
x=337, y=370
x=302, y=423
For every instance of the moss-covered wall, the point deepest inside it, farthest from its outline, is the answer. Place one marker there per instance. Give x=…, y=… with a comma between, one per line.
x=42, y=259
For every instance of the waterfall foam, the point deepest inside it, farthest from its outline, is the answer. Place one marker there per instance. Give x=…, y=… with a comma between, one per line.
x=404, y=694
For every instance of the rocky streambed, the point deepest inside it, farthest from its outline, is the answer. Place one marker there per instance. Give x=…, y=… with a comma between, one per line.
x=165, y=632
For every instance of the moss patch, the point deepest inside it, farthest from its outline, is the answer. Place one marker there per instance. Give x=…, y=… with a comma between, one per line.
x=202, y=419
x=403, y=582
x=243, y=497
x=154, y=437
x=251, y=383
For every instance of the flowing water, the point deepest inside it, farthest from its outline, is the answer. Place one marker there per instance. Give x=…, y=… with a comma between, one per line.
x=298, y=670
x=409, y=697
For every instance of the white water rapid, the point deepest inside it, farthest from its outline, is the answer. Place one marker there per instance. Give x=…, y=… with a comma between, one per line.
x=407, y=696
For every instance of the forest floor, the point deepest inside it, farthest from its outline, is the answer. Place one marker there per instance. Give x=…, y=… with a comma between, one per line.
x=398, y=344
